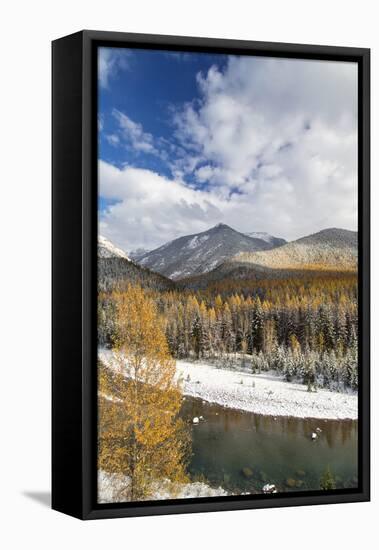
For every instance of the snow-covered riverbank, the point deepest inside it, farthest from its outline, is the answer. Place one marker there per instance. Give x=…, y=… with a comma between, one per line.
x=265, y=393
x=114, y=488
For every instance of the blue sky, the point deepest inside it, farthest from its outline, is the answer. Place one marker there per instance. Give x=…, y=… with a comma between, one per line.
x=188, y=140
x=149, y=89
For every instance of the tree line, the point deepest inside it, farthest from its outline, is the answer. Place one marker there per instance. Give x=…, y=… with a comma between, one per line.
x=300, y=327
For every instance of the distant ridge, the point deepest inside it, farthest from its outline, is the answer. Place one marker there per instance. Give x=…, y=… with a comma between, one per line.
x=330, y=250
x=221, y=252
x=116, y=270
x=334, y=247
x=137, y=253
x=270, y=239
x=106, y=249
x=200, y=252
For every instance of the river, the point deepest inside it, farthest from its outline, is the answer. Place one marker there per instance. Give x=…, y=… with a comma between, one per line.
x=241, y=451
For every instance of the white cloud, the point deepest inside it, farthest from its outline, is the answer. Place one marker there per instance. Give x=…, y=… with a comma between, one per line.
x=264, y=121
x=275, y=142
x=152, y=209
x=134, y=135
x=110, y=62
x=112, y=139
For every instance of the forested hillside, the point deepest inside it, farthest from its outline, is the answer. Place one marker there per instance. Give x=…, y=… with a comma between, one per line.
x=301, y=322
x=119, y=273
x=330, y=248
x=301, y=327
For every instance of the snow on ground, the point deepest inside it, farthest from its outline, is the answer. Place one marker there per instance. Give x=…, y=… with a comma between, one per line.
x=114, y=488
x=265, y=393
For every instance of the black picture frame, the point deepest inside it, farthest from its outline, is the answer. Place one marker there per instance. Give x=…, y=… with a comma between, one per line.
x=74, y=206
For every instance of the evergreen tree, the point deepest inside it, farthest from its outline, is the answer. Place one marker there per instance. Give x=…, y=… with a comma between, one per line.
x=197, y=335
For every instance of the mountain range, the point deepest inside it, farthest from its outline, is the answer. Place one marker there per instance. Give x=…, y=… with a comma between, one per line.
x=202, y=252
x=221, y=252
x=329, y=250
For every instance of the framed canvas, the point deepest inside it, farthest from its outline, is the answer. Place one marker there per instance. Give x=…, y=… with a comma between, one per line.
x=210, y=275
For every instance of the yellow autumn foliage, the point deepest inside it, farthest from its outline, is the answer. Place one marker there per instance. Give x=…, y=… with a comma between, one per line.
x=140, y=434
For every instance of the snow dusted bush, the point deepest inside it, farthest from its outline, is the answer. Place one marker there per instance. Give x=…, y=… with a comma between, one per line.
x=314, y=369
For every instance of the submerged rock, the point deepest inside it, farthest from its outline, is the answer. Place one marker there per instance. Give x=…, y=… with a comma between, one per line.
x=247, y=472
x=300, y=473
x=290, y=482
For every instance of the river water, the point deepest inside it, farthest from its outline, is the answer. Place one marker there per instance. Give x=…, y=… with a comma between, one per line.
x=241, y=451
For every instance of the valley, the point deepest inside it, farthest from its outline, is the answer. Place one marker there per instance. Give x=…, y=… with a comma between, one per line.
x=266, y=332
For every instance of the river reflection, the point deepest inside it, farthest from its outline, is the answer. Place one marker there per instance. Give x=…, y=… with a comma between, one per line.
x=241, y=451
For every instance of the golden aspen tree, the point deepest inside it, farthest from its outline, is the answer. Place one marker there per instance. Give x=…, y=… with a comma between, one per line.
x=218, y=304
x=269, y=336
x=140, y=434
x=295, y=345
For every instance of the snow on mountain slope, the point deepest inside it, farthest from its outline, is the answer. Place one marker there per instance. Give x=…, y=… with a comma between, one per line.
x=138, y=253
x=329, y=248
x=117, y=270
x=200, y=253
x=106, y=249
x=270, y=239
